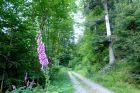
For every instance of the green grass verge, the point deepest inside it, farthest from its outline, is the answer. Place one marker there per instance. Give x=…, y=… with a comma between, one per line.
x=62, y=84
x=117, y=79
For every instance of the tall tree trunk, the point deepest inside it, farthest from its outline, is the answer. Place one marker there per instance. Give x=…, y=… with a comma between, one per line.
x=111, y=54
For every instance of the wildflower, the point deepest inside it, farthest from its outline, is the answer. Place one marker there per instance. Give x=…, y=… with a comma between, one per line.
x=41, y=52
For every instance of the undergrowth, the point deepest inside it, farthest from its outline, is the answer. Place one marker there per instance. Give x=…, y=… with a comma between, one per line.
x=118, y=79
x=61, y=84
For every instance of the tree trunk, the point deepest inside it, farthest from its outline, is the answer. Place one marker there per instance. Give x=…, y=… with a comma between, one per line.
x=111, y=54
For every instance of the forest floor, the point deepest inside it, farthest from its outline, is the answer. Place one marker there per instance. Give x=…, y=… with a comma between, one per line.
x=84, y=85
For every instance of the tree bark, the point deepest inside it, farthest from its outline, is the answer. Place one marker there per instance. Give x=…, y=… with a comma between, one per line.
x=111, y=54
x=108, y=30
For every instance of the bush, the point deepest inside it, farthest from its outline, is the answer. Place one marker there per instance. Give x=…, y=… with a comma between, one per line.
x=28, y=90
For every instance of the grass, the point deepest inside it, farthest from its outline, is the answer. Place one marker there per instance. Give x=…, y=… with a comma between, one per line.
x=117, y=79
x=62, y=84
x=117, y=85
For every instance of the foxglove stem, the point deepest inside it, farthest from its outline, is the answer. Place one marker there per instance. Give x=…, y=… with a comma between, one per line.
x=42, y=67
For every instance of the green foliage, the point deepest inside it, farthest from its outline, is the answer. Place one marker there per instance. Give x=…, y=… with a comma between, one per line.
x=92, y=49
x=64, y=59
x=20, y=21
x=126, y=31
x=57, y=27
x=17, y=45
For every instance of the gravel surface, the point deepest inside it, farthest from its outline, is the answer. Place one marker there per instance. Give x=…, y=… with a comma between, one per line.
x=78, y=88
x=93, y=87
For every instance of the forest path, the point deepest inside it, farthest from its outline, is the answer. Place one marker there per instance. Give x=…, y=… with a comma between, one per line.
x=84, y=85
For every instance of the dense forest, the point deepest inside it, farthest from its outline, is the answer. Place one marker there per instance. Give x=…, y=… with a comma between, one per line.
x=39, y=52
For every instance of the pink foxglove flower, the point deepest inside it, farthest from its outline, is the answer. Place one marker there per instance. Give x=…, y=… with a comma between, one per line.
x=41, y=52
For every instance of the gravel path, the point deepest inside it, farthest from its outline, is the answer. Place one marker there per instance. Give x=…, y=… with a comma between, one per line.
x=93, y=87
x=78, y=88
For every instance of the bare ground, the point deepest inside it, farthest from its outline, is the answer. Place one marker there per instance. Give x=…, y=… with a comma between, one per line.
x=84, y=85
